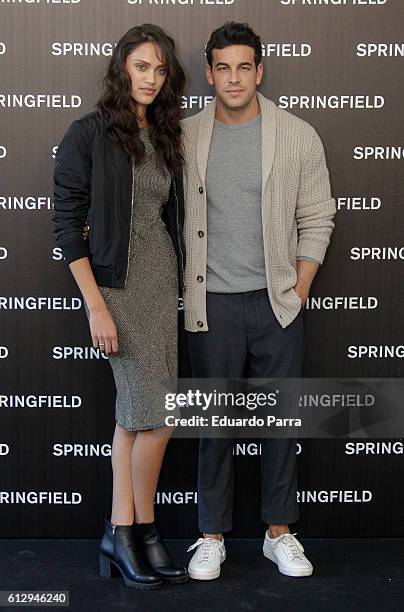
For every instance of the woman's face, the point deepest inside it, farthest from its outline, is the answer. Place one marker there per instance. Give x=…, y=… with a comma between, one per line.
x=147, y=72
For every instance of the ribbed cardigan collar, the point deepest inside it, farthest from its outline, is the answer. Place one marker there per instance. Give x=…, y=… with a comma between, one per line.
x=207, y=121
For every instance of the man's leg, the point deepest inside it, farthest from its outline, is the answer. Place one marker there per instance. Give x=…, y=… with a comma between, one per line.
x=275, y=352
x=220, y=352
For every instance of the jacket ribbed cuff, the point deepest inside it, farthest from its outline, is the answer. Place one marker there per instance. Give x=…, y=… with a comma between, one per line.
x=75, y=249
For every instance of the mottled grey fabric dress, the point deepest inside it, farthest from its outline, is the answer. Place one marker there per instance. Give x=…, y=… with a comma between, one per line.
x=145, y=312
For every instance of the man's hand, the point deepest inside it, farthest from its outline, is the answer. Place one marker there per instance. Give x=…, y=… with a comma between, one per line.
x=302, y=292
x=306, y=271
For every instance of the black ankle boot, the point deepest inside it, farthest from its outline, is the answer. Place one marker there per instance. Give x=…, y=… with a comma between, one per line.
x=155, y=555
x=119, y=553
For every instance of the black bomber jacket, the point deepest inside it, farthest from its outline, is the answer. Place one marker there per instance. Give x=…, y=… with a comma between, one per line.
x=93, y=183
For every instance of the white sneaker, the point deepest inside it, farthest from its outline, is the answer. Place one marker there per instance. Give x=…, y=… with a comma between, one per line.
x=287, y=552
x=207, y=559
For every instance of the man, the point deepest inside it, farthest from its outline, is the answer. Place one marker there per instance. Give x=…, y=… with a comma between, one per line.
x=259, y=215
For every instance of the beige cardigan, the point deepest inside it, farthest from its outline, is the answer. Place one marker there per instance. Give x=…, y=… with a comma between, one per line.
x=297, y=207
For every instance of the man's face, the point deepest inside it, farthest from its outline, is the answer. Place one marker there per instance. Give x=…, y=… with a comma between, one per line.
x=234, y=75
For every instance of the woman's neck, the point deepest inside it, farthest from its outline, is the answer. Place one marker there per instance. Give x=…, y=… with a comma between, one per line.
x=142, y=122
x=141, y=117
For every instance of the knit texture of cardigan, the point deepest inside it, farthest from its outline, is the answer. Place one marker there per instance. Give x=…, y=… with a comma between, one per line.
x=297, y=207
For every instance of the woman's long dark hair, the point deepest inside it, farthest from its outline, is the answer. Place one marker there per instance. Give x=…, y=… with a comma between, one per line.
x=118, y=107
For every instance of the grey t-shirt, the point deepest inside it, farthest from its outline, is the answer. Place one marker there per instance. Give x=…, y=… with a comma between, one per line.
x=234, y=191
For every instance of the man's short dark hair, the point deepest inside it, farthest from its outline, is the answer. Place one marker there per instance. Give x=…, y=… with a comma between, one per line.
x=232, y=33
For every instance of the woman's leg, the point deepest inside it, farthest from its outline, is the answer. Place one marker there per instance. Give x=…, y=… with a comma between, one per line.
x=123, y=508
x=118, y=550
x=147, y=456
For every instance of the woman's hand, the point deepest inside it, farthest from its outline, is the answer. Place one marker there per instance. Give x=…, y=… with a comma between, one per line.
x=102, y=326
x=103, y=330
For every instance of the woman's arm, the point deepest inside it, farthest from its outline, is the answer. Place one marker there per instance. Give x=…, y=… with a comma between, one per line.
x=102, y=326
x=72, y=189
x=72, y=177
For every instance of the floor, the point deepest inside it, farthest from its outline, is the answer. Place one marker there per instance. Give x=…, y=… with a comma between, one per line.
x=354, y=574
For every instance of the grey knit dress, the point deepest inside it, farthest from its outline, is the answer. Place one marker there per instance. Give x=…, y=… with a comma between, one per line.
x=145, y=312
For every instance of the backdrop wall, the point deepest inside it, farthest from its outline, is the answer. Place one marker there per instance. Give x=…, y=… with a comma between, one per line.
x=338, y=64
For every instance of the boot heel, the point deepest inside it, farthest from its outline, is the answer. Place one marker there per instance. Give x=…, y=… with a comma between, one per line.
x=119, y=556
x=107, y=569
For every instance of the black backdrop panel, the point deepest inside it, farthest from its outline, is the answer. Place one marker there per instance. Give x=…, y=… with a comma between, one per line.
x=55, y=459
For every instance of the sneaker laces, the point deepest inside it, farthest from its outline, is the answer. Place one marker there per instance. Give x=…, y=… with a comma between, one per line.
x=292, y=546
x=206, y=550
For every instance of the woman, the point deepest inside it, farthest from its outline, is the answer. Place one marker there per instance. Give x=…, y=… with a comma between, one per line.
x=119, y=169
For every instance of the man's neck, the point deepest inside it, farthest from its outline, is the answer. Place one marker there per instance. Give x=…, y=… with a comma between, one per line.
x=233, y=116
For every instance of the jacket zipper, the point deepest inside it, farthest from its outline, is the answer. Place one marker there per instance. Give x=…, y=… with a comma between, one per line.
x=131, y=215
x=178, y=235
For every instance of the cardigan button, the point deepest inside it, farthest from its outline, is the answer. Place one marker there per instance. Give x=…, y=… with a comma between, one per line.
x=201, y=190
x=199, y=279
x=199, y=324
x=201, y=234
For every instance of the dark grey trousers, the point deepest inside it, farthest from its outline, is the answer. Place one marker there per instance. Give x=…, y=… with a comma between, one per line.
x=245, y=340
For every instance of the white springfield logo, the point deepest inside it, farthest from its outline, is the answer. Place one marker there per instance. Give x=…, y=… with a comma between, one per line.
x=286, y=49
x=40, y=401
x=333, y=2
x=26, y=202
x=334, y=102
x=21, y=2
x=178, y=498
x=82, y=48
x=46, y=100
x=41, y=497
x=330, y=497
x=39, y=303
x=182, y=2
x=359, y=203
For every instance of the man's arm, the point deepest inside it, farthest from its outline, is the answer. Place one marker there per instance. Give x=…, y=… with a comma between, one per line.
x=315, y=209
